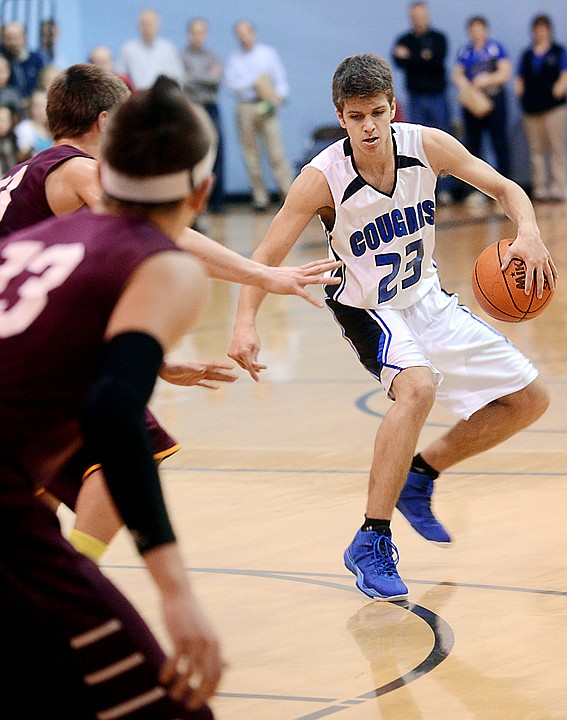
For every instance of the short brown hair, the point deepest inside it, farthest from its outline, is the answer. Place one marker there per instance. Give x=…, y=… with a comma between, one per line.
x=477, y=19
x=362, y=76
x=78, y=95
x=542, y=20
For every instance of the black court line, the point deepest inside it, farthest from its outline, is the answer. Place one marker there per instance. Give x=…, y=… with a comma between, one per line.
x=444, y=641
x=291, y=574
x=334, y=471
x=443, y=635
x=442, y=632
x=362, y=404
x=307, y=577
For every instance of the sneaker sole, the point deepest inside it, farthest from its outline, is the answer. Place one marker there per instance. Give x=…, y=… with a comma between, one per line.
x=370, y=592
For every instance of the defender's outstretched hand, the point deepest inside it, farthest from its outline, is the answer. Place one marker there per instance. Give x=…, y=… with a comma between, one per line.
x=203, y=374
x=221, y=263
x=291, y=280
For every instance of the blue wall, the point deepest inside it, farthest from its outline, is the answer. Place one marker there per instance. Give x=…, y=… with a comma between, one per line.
x=312, y=36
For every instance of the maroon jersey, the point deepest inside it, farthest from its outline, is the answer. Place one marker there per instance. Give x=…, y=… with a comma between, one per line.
x=23, y=201
x=59, y=283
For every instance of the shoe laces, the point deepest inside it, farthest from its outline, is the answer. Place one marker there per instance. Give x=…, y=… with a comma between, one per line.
x=386, y=555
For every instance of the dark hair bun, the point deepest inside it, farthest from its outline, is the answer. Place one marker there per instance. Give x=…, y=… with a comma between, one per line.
x=155, y=132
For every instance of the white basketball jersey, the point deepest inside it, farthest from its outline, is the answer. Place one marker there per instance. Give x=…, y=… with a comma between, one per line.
x=385, y=242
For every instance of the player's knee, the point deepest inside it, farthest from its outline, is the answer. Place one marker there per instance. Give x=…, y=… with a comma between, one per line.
x=537, y=398
x=531, y=402
x=423, y=397
x=416, y=387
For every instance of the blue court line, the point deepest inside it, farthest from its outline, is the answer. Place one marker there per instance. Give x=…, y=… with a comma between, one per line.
x=362, y=404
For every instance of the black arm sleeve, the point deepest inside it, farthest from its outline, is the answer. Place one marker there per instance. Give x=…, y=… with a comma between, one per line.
x=114, y=429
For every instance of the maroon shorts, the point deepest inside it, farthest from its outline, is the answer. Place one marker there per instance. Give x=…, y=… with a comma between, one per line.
x=66, y=486
x=67, y=629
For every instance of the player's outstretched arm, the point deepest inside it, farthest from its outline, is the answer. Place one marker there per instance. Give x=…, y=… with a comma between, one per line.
x=224, y=264
x=161, y=302
x=447, y=154
x=190, y=372
x=308, y=195
x=194, y=668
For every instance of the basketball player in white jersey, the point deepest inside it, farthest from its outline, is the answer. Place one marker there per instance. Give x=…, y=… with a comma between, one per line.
x=374, y=193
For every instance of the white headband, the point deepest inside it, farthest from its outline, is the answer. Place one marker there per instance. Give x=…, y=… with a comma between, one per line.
x=157, y=188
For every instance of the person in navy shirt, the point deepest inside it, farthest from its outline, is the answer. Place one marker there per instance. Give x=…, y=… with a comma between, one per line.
x=483, y=62
x=420, y=54
x=25, y=65
x=541, y=86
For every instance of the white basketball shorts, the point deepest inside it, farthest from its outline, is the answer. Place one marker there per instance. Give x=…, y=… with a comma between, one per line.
x=474, y=364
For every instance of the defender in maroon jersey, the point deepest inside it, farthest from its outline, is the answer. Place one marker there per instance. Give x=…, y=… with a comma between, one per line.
x=56, y=182
x=61, y=180
x=23, y=195
x=89, y=303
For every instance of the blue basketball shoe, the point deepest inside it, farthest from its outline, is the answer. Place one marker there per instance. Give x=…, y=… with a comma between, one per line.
x=415, y=505
x=373, y=559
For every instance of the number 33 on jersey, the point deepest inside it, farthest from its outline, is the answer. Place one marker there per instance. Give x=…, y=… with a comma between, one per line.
x=40, y=269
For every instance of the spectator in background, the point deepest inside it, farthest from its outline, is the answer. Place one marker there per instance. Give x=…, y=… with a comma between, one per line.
x=25, y=65
x=256, y=76
x=8, y=143
x=9, y=95
x=32, y=133
x=48, y=44
x=421, y=54
x=101, y=55
x=145, y=58
x=46, y=77
x=541, y=85
x=203, y=75
x=483, y=64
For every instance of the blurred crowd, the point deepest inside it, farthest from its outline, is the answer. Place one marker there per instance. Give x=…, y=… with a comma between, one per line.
x=482, y=73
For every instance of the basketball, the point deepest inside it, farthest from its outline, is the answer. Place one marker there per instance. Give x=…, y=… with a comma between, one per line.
x=501, y=293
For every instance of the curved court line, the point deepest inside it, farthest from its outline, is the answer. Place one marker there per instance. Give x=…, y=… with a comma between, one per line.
x=444, y=641
x=292, y=574
x=443, y=635
x=362, y=404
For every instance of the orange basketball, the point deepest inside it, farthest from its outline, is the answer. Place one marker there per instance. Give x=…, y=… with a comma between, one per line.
x=501, y=293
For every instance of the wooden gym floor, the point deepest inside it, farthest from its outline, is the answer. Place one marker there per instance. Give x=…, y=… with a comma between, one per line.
x=271, y=486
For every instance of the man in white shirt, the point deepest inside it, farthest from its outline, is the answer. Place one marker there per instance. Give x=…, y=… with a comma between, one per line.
x=256, y=76
x=144, y=59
